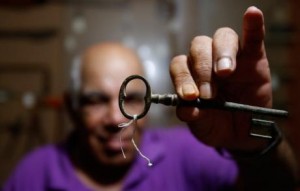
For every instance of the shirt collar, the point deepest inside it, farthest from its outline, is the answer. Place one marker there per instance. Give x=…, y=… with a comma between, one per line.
x=64, y=175
x=153, y=148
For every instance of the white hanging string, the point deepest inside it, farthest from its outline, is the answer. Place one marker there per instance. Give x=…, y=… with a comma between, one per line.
x=125, y=125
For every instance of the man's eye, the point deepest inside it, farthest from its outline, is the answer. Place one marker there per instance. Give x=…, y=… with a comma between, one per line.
x=134, y=103
x=134, y=98
x=93, y=99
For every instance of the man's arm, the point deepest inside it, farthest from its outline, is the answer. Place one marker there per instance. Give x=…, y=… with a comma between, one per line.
x=276, y=170
x=226, y=68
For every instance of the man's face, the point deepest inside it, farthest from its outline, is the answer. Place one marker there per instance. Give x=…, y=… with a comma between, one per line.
x=101, y=114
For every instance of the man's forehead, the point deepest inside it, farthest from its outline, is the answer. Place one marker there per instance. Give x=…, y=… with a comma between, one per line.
x=111, y=63
x=109, y=73
x=105, y=52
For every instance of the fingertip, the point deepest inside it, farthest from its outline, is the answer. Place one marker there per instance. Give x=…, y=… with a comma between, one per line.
x=253, y=31
x=224, y=66
x=226, y=46
x=189, y=91
x=253, y=18
x=187, y=114
x=182, y=78
x=253, y=9
x=206, y=90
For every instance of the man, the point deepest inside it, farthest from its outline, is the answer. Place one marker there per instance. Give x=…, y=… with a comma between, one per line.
x=216, y=67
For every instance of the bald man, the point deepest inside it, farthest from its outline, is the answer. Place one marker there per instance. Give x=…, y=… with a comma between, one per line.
x=91, y=158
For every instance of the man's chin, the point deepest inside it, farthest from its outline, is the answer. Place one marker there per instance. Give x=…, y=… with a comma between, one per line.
x=113, y=158
x=116, y=144
x=108, y=151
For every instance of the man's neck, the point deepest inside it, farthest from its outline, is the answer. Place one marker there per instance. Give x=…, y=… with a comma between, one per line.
x=95, y=184
x=91, y=172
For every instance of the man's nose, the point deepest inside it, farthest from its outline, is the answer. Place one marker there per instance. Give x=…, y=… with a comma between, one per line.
x=115, y=115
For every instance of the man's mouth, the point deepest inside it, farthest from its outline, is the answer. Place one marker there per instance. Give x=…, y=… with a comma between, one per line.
x=115, y=142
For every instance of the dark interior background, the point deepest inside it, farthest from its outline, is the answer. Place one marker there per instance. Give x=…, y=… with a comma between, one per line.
x=40, y=38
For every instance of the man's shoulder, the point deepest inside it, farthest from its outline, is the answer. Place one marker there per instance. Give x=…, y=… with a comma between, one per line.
x=43, y=152
x=38, y=160
x=35, y=168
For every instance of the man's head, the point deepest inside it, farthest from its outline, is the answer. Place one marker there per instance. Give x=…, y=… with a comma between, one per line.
x=103, y=68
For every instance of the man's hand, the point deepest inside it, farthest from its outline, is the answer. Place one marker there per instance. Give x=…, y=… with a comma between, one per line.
x=222, y=68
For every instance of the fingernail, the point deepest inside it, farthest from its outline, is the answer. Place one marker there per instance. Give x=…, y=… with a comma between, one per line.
x=224, y=64
x=188, y=90
x=205, y=91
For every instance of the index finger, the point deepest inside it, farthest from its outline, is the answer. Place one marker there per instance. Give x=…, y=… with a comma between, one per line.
x=253, y=32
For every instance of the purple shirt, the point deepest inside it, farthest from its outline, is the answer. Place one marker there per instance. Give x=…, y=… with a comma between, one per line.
x=180, y=163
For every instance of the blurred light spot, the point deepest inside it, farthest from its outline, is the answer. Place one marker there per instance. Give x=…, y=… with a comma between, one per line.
x=150, y=68
x=70, y=43
x=28, y=100
x=4, y=96
x=144, y=51
x=275, y=82
x=79, y=24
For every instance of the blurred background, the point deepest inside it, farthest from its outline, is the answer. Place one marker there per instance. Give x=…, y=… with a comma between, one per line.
x=40, y=38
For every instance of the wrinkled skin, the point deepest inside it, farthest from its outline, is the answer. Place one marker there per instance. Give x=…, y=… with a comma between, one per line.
x=104, y=69
x=97, y=154
x=221, y=68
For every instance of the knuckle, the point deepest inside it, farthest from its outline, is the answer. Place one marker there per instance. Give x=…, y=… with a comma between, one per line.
x=179, y=59
x=182, y=76
x=204, y=67
x=179, y=70
x=225, y=32
x=199, y=43
x=177, y=63
x=199, y=39
x=203, y=72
